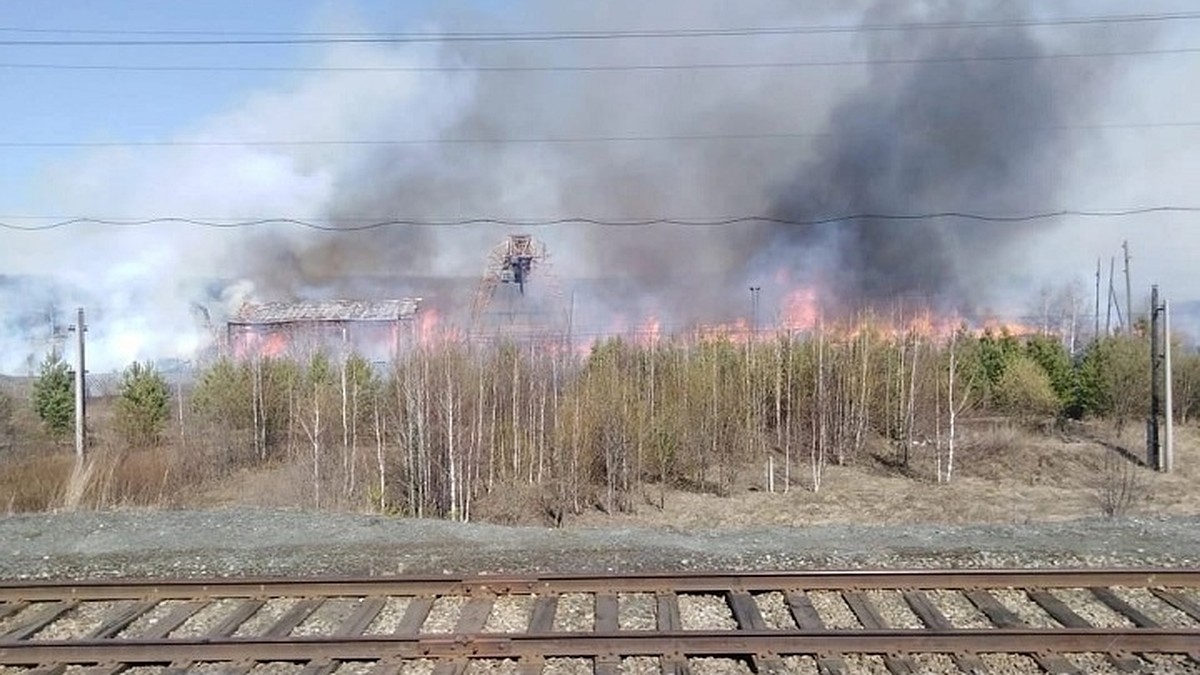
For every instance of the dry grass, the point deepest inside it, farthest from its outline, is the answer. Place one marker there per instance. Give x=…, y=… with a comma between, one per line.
x=1003, y=473
x=35, y=483
x=279, y=485
x=1017, y=476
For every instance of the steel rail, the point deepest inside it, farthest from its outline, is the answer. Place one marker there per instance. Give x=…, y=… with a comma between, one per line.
x=957, y=579
x=601, y=645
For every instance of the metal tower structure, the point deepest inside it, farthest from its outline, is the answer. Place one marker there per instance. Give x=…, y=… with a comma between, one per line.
x=518, y=296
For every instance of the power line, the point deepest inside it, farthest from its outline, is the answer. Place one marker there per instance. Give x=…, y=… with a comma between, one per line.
x=600, y=68
x=225, y=38
x=366, y=224
x=549, y=140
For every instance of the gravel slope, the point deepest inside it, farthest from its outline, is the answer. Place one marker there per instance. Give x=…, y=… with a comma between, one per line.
x=265, y=542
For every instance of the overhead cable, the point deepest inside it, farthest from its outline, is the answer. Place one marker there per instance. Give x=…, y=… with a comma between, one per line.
x=233, y=37
x=348, y=225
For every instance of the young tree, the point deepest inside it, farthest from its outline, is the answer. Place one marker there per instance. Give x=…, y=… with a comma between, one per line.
x=7, y=436
x=54, y=396
x=143, y=405
x=222, y=403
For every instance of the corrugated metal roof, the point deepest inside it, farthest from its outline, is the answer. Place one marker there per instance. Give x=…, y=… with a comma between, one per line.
x=327, y=310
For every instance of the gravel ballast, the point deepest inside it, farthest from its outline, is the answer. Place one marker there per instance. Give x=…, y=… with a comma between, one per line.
x=254, y=542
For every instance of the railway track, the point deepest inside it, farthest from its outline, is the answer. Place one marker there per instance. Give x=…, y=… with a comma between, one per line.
x=1061, y=621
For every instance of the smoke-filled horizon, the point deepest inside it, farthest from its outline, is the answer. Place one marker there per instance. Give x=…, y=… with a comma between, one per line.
x=920, y=124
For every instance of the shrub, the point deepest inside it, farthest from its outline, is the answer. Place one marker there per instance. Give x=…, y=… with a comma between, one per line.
x=1025, y=390
x=1119, y=488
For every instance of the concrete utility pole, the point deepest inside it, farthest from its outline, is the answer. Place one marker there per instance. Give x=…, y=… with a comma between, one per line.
x=1168, y=457
x=1128, y=291
x=1112, y=263
x=754, y=309
x=80, y=388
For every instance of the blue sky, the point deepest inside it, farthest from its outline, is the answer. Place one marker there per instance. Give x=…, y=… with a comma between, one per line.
x=149, y=276
x=90, y=106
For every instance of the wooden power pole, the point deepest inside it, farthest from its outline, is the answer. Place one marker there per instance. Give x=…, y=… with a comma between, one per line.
x=1159, y=454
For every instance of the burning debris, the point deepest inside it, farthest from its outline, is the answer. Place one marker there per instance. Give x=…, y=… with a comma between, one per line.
x=377, y=330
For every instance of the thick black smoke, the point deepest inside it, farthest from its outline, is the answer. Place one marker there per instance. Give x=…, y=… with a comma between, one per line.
x=976, y=121
x=972, y=120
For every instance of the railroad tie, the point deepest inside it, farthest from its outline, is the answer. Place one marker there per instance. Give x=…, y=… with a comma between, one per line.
x=474, y=615
x=1118, y=604
x=11, y=609
x=362, y=617
x=53, y=610
x=121, y=618
x=1066, y=616
x=931, y=616
x=768, y=664
x=1003, y=617
x=245, y=610
x=414, y=616
x=450, y=667
x=870, y=618
x=607, y=613
x=178, y=615
x=238, y=668
x=667, y=612
x=387, y=667
x=606, y=665
x=1179, y=602
x=807, y=618
x=745, y=610
x=541, y=620
x=106, y=669
x=45, y=617
x=324, y=667
x=675, y=664
x=54, y=669
x=530, y=665
x=293, y=617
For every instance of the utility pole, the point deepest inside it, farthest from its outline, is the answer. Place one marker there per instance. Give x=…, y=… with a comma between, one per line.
x=1096, y=332
x=571, y=323
x=1128, y=291
x=1153, y=459
x=1168, y=457
x=754, y=310
x=1112, y=262
x=80, y=387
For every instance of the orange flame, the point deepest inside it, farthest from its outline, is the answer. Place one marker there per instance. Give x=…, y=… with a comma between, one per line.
x=800, y=310
x=433, y=329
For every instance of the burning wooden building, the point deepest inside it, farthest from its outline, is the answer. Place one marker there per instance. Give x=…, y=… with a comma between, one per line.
x=377, y=329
